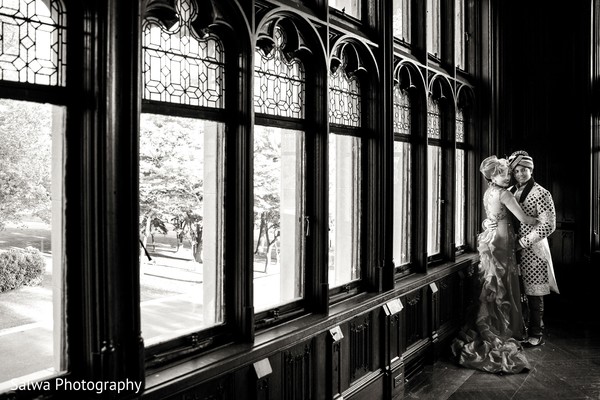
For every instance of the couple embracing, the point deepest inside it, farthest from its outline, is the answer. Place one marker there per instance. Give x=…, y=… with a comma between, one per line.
x=513, y=249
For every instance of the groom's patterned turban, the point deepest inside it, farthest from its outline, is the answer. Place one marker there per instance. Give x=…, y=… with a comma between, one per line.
x=521, y=158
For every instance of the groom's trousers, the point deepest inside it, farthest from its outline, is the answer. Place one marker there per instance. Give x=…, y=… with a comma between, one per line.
x=536, y=315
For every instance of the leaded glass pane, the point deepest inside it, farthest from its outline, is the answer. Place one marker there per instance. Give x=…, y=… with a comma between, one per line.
x=278, y=82
x=434, y=119
x=344, y=209
x=279, y=180
x=181, y=67
x=402, y=204
x=401, y=20
x=434, y=192
x=459, y=213
x=402, y=112
x=344, y=99
x=33, y=43
x=460, y=126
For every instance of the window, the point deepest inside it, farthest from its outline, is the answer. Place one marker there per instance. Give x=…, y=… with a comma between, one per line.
x=32, y=265
x=402, y=19
x=344, y=209
x=348, y=7
x=459, y=34
x=33, y=42
x=402, y=221
x=181, y=179
x=464, y=150
x=31, y=178
x=434, y=178
x=345, y=177
x=280, y=219
x=278, y=210
x=434, y=28
x=461, y=182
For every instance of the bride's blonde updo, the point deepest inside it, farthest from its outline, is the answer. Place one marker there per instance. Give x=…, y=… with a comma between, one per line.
x=493, y=166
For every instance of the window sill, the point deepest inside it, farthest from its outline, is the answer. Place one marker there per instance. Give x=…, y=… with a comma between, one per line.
x=230, y=357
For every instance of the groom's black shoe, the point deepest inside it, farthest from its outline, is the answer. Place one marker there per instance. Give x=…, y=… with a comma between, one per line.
x=533, y=342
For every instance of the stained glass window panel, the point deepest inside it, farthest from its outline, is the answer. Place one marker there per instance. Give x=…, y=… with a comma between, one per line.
x=344, y=99
x=402, y=113
x=434, y=119
x=278, y=82
x=460, y=126
x=33, y=42
x=181, y=67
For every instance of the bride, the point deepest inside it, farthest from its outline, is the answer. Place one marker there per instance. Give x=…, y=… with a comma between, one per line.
x=490, y=339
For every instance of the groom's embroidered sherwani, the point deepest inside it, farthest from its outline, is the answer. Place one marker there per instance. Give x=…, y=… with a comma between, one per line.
x=535, y=258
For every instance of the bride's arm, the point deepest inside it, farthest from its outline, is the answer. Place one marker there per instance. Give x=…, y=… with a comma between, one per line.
x=511, y=203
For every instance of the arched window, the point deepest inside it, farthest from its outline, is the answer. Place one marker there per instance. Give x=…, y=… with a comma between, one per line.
x=463, y=153
x=280, y=220
x=345, y=169
x=434, y=177
x=33, y=44
x=181, y=175
x=460, y=188
x=403, y=186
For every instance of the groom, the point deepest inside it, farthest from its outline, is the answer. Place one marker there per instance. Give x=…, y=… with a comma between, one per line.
x=533, y=250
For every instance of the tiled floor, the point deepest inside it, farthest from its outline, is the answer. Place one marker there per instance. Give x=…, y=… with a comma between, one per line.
x=566, y=367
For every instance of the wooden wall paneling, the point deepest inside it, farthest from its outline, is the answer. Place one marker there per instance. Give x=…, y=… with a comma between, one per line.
x=217, y=389
x=392, y=328
x=263, y=372
x=562, y=247
x=415, y=309
x=450, y=303
x=434, y=320
x=361, y=346
x=334, y=362
x=297, y=372
x=434, y=311
x=398, y=379
x=416, y=333
x=394, y=364
x=370, y=387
